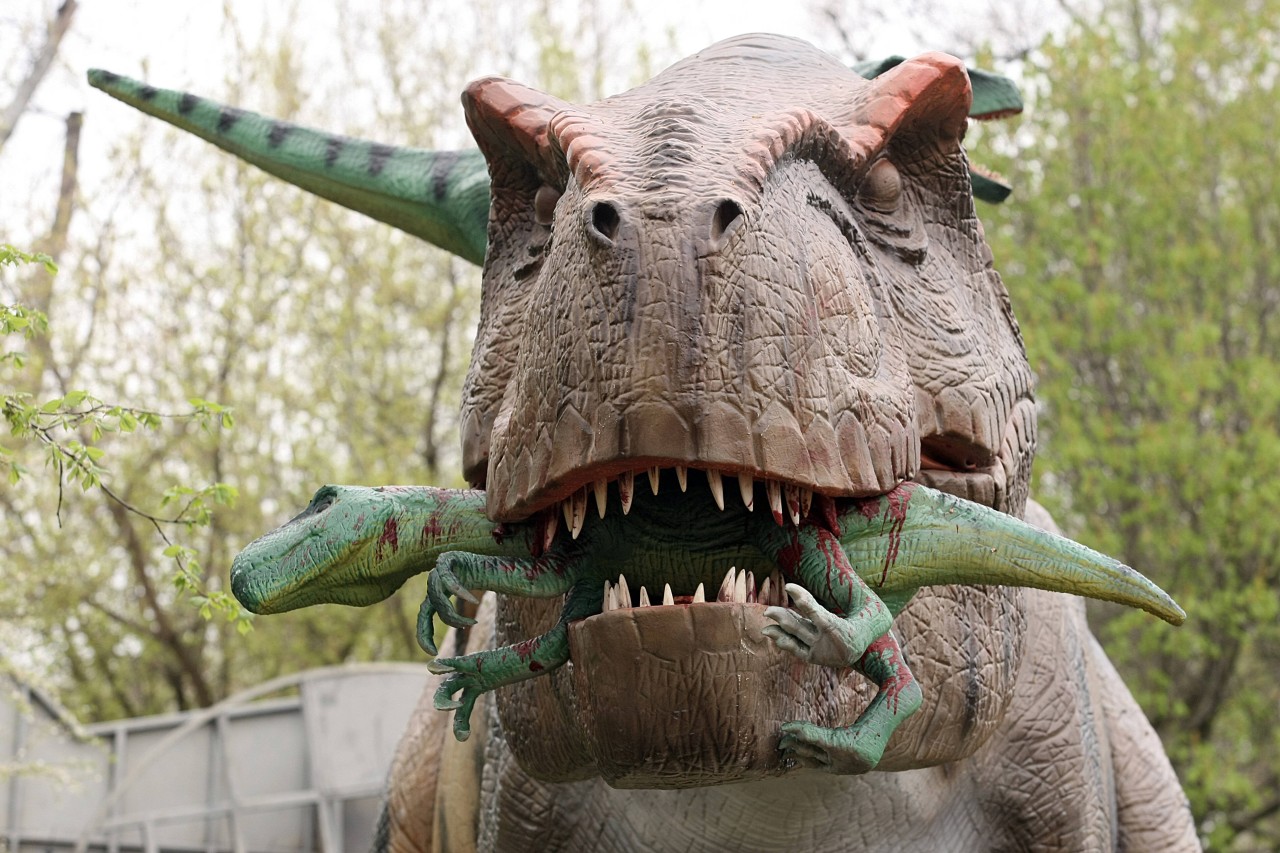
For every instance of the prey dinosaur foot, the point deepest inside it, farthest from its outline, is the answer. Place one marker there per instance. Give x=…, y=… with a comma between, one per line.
x=858, y=748
x=472, y=675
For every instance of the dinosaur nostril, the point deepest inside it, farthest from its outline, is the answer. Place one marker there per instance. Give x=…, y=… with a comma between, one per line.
x=604, y=221
x=725, y=220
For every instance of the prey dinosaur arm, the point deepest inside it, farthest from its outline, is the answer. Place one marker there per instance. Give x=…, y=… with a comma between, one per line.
x=457, y=573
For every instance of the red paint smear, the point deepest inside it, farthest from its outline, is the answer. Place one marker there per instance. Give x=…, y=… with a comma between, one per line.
x=837, y=567
x=431, y=529
x=829, y=514
x=896, y=514
x=390, y=537
x=891, y=653
x=869, y=508
x=535, y=667
x=499, y=532
x=525, y=648
x=789, y=558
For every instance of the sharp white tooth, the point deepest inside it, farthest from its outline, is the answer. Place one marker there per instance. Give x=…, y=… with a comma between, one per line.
x=602, y=495
x=682, y=474
x=726, y=586
x=667, y=597
x=766, y=593
x=699, y=595
x=752, y=593
x=717, y=488
x=624, y=594
x=806, y=501
x=566, y=509
x=775, y=499
x=747, y=488
x=627, y=490
x=793, y=502
x=655, y=477
x=740, y=588
x=608, y=597
x=550, y=524
x=644, y=597
x=579, y=501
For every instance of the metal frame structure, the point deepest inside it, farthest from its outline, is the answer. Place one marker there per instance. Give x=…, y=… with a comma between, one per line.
x=284, y=775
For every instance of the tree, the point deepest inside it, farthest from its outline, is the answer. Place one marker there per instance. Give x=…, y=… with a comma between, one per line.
x=339, y=343
x=1142, y=252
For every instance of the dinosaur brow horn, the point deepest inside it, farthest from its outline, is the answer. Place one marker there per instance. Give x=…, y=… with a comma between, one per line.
x=808, y=135
x=933, y=87
x=580, y=138
x=510, y=119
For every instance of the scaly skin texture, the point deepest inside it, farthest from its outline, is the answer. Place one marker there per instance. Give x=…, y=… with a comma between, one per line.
x=440, y=196
x=757, y=270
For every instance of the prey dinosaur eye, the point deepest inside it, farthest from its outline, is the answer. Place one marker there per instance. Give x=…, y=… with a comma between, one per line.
x=881, y=189
x=544, y=204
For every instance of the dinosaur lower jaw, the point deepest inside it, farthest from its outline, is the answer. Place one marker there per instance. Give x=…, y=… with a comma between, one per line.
x=688, y=695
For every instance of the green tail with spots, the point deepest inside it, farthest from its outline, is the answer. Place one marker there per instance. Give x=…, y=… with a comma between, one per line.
x=440, y=196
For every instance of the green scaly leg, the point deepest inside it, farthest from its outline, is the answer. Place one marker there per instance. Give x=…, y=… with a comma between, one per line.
x=484, y=671
x=858, y=748
x=857, y=634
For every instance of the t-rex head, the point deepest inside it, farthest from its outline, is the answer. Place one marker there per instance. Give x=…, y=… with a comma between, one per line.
x=759, y=266
x=757, y=263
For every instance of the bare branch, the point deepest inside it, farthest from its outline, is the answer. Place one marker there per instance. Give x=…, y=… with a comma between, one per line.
x=39, y=68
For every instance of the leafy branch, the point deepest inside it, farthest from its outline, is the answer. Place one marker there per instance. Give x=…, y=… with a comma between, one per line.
x=70, y=427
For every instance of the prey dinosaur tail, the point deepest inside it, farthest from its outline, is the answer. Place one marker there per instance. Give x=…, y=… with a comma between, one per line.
x=440, y=196
x=915, y=536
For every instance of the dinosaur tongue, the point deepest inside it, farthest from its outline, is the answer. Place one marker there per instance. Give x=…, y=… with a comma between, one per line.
x=690, y=695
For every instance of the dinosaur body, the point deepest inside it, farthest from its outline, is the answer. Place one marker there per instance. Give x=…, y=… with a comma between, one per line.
x=758, y=282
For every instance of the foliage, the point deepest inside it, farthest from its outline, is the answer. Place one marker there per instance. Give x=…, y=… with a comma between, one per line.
x=1142, y=251
x=339, y=344
x=70, y=429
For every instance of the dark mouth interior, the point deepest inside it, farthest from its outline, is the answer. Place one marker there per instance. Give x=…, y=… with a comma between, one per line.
x=680, y=537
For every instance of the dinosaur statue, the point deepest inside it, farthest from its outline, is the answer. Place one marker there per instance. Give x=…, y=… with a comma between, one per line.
x=756, y=267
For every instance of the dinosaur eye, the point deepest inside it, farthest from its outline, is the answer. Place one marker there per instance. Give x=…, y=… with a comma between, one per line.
x=881, y=189
x=544, y=204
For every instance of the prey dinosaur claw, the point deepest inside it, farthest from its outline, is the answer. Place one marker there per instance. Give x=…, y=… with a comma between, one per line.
x=442, y=584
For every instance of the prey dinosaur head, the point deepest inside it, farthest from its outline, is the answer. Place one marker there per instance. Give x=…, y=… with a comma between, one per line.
x=757, y=264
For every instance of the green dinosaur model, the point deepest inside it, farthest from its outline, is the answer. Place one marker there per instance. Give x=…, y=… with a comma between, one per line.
x=757, y=267
x=867, y=558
